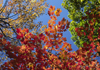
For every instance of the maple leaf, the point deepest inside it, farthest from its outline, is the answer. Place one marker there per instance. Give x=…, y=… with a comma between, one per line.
x=64, y=39
x=57, y=12
x=56, y=46
x=18, y=30
x=98, y=49
x=52, y=8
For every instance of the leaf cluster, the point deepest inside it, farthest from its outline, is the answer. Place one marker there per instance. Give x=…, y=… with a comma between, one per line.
x=35, y=55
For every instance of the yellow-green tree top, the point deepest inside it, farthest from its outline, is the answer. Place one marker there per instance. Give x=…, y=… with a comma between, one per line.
x=82, y=13
x=20, y=14
x=77, y=8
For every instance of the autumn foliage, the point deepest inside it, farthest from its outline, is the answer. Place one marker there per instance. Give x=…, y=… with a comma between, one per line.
x=20, y=14
x=36, y=51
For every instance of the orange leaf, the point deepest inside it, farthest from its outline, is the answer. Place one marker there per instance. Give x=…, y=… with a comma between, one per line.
x=49, y=21
x=4, y=41
x=57, y=12
x=91, y=23
x=53, y=48
x=64, y=39
x=55, y=18
x=26, y=30
x=98, y=49
x=51, y=8
x=46, y=47
x=53, y=22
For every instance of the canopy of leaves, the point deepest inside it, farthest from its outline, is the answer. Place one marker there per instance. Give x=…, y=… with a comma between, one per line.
x=81, y=12
x=20, y=14
x=32, y=54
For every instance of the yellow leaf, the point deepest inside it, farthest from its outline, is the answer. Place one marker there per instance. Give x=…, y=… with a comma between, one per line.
x=0, y=5
x=30, y=65
x=57, y=12
x=33, y=0
x=82, y=0
x=46, y=47
x=99, y=1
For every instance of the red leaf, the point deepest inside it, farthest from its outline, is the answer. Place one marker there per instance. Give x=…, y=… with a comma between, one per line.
x=40, y=35
x=18, y=37
x=1, y=36
x=84, y=33
x=18, y=30
x=57, y=47
x=49, y=13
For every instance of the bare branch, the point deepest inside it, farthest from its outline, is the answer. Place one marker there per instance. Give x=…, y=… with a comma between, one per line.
x=4, y=6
